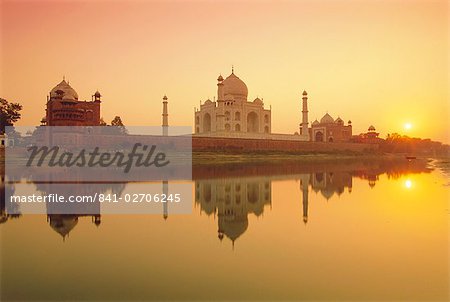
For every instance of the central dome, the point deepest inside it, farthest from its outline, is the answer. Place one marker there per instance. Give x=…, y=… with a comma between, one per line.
x=64, y=91
x=234, y=86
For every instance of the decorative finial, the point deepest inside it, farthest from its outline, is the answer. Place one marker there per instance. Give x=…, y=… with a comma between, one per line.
x=232, y=69
x=64, y=77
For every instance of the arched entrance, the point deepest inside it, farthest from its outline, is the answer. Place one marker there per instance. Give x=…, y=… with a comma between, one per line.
x=207, y=123
x=252, y=122
x=252, y=193
x=319, y=136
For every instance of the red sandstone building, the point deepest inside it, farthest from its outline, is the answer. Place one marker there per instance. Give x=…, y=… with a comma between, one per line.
x=330, y=130
x=64, y=108
x=370, y=137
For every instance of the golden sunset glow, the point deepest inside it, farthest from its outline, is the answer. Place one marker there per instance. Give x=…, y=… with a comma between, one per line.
x=407, y=126
x=371, y=62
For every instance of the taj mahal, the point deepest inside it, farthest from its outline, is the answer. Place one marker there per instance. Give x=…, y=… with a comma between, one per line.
x=233, y=115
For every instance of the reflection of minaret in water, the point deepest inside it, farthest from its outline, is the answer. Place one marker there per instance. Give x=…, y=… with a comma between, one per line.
x=304, y=183
x=165, y=132
x=165, y=204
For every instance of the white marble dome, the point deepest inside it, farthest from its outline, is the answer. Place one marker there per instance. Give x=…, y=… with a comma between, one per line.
x=234, y=86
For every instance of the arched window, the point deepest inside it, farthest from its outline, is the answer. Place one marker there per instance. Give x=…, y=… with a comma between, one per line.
x=227, y=127
x=206, y=122
x=319, y=136
x=266, y=118
x=266, y=129
x=252, y=122
x=197, y=120
x=237, y=116
x=237, y=127
x=207, y=192
x=227, y=115
x=252, y=193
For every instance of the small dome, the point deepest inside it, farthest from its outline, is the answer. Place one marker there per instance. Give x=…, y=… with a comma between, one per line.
x=64, y=91
x=304, y=92
x=315, y=123
x=234, y=86
x=208, y=101
x=97, y=94
x=327, y=193
x=371, y=128
x=326, y=119
x=258, y=101
x=165, y=98
x=349, y=122
x=339, y=121
x=220, y=78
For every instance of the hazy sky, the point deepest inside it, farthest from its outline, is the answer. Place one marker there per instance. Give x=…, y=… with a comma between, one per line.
x=374, y=62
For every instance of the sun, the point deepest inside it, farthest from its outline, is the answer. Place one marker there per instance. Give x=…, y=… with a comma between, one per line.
x=408, y=184
x=407, y=126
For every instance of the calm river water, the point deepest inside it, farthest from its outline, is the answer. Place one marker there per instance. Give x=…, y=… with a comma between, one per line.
x=323, y=231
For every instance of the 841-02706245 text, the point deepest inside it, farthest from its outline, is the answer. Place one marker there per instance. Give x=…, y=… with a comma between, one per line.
x=102, y=198
x=140, y=197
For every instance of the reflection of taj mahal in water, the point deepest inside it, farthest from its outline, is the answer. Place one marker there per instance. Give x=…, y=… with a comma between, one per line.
x=240, y=191
x=231, y=200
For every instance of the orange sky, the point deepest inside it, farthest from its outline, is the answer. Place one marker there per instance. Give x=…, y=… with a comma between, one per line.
x=375, y=62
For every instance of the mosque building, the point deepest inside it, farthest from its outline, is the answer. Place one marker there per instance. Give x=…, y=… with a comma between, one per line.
x=330, y=130
x=64, y=108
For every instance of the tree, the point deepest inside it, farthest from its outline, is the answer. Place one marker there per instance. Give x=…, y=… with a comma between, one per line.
x=102, y=122
x=9, y=114
x=117, y=122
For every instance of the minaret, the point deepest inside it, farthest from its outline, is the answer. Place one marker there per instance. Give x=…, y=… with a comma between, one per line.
x=304, y=126
x=96, y=96
x=165, y=130
x=220, y=95
x=220, y=116
x=165, y=117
